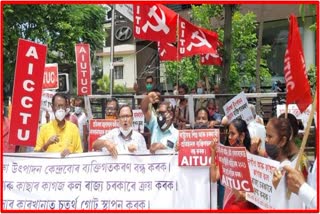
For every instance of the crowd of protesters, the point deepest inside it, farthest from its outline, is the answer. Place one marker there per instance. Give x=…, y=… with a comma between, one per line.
x=68, y=132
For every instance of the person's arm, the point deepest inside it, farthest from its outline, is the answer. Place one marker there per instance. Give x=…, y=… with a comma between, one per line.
x=152, y=97
x=105, y=142
x=296, y=184
x=214, y=168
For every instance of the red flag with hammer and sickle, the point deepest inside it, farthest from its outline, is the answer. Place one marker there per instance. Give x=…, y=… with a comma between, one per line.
x=155, y=23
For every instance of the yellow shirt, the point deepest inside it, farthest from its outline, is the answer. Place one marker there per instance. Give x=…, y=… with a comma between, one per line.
x=69, y=137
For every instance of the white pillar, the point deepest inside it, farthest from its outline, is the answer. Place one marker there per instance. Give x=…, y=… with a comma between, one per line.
x=309, y=43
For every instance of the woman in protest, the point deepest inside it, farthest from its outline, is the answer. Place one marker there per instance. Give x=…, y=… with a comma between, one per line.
x=278, y=138
x=238, y=136
x=295, y=144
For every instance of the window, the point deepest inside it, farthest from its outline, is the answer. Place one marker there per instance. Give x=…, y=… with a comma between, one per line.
x=118, y=59
x=118, y=72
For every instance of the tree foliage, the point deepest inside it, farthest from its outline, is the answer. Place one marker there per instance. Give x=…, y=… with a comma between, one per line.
x=60, y=27
x=104, y=86
x=244, y=51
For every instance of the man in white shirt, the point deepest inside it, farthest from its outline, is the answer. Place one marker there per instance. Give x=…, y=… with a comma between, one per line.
x=296, y=184
x=123, y=139
x=82, y=121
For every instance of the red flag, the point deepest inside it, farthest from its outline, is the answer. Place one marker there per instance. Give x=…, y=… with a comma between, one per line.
x=211, y=59
x=155, y=23
x=195, y=40
x=298, y=88
x=168, y=51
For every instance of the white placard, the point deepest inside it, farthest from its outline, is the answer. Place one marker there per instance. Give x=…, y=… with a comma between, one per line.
x=138, y=120
x=95, y=181
x=293, y=109
x=238, y=107
x=261, y=170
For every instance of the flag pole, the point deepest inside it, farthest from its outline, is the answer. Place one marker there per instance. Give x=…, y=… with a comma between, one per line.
x=305, y=136
x=286, y=111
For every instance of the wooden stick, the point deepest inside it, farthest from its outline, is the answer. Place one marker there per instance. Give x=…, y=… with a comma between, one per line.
x=305, y=137
x=286, y=112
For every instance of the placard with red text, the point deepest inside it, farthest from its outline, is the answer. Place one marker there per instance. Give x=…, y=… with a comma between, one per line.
x=234, y=168
x=194, y=146
x=99, y=127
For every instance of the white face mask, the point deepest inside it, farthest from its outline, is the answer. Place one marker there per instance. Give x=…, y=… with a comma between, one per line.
x=77, y=110
x=60, y=114
x=125, y=132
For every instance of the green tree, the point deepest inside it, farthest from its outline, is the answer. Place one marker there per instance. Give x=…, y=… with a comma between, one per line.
x=104, y=86
x=60, y=27
x=244, y=51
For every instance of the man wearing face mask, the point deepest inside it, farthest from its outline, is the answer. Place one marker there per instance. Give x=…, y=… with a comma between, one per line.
x=59, y=135
x=163, y=133
x=82, y=121
x=122, y=139
x=201, y=102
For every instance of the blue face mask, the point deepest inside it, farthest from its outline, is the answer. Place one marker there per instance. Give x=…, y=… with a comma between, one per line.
x=199, y=90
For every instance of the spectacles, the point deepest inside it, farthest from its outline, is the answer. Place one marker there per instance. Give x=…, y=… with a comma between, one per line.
x=123, y=117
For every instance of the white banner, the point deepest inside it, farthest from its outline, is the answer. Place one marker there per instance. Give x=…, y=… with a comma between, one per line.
x=95, y=181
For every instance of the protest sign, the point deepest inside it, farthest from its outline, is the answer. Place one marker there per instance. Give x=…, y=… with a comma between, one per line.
x=46, y=105
x=261, y=170
x=83, y=69
x=238, y=107
x=138, y=120
x=50, y=76
x=233, y=167
x=99, y=127
x=96, y=181
x=293, y=109
x=31, y=58
x=194, y=146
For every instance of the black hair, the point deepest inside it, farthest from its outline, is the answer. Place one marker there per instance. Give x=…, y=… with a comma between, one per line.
x=242, y=127
x=283, y=129
x=123, y=106
x=202, y=109
x=184, y=87
x=293, y=122
x=149, y=77
x=113, y=99
x=62, y=95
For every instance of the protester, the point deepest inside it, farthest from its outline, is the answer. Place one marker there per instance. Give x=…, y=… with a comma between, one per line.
x=238, y=137
x=163, y=133
x=278, y=135
x=59, y=135
x=182, y=110
x=7, y=147
x=122, y=139
x=69, y=116
x=112, y=107
x=82, y=121
x=295, y=143
x=296, y=183
x=201, y=102
x=214, y=115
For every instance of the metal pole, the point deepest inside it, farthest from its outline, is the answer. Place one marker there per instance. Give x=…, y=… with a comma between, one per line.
x=112, y=51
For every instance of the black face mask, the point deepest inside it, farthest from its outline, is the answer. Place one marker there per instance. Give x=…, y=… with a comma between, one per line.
x=155, y=105
x=272, y=150
x=201, y=126
x=161, y=119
